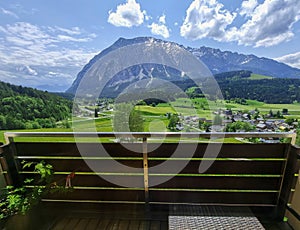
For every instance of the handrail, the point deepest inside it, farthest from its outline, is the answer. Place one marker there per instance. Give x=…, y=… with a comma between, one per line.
x=282, y=192
x=10, y=135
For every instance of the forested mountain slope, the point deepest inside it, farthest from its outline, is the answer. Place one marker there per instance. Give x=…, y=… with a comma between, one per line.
x=23, y=107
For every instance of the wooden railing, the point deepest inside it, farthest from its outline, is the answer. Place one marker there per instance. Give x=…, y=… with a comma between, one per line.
x=9, y=136
x=246, y=174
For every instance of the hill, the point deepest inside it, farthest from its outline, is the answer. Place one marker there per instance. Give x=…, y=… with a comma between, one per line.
x=23, y=107
x=245, y=85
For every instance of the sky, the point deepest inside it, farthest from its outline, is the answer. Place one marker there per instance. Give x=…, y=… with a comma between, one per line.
x=44, y=44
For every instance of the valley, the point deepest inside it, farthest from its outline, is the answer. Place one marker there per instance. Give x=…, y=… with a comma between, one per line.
x=191, y=119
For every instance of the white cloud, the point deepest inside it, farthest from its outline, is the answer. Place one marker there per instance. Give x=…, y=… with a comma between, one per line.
x=206, y=18
x=8, y=12
x=29, y=51
x=248, y=7
x=53, y=73
x=28, y=44
x=270, y=24
x=267, y=24
x=127, y=15
x=162, y=19
x=72, y=31
x=160, y=28
x=147, y=17
x=290, y=59
x=67, y=38
x=27, y=70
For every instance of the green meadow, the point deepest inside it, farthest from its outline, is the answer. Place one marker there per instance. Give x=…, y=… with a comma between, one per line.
x=155, y=119
x=258, y=77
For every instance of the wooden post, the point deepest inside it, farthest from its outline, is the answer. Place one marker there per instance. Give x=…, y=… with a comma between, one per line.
x=3, y=165
x=9, y=154
x=4, y=179
x=287, y=182
x=293, y=140
x=145, y=166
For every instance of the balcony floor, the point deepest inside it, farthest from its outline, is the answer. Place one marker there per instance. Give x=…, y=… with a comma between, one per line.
x=132, y=217
x=105, y=224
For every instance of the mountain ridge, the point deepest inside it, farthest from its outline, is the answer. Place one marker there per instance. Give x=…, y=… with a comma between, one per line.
x=216, y=60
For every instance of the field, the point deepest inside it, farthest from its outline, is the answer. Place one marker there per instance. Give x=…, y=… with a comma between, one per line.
x=183, y=106
x=155, y=119
x=258, y=77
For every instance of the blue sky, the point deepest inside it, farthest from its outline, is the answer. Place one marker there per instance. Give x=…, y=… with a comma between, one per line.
x=44, y=44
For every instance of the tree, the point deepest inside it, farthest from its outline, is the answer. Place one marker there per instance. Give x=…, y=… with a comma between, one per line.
x=136, y=122
x=173, y=121
x=66, y=124
x=2, y=122
x=290, y=121
x=207, y=126
x=200, y=124
x=127, y=119
x=271, y=113
x=217, y=120
x=285, y=111
x=278, y=114
x=22, y=107
x=238, y=126
x=96, y=112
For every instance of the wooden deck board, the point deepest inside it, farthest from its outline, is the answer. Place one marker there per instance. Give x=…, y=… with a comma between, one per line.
x=164, y=225
x=144, y=225
x=155, y=225
x=153, y=219
x=81, y=225
x=127, y=224
x=134, y=225
x=92, y=225
x=71, y=224
x=103, y=224
x=61, y=224
x=114, y=225
x=124, y=224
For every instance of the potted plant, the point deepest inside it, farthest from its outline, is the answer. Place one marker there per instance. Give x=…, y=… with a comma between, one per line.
x=15, y=202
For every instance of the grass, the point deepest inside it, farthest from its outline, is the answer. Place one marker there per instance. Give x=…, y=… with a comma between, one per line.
x=158, y=110
x=258, y=77
x=157, y=124
x=155, y=119
x=184, y=106
x=255, y=103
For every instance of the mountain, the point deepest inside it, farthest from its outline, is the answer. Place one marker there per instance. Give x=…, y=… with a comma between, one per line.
x=216, y=60
x=219, y=62
x=243, y=84
x=24, y=107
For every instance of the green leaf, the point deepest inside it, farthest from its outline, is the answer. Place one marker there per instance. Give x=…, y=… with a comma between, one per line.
x=28, y=181
x=27, y=164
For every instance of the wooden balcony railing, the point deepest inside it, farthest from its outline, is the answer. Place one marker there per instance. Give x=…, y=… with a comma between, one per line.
x=246, y=174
